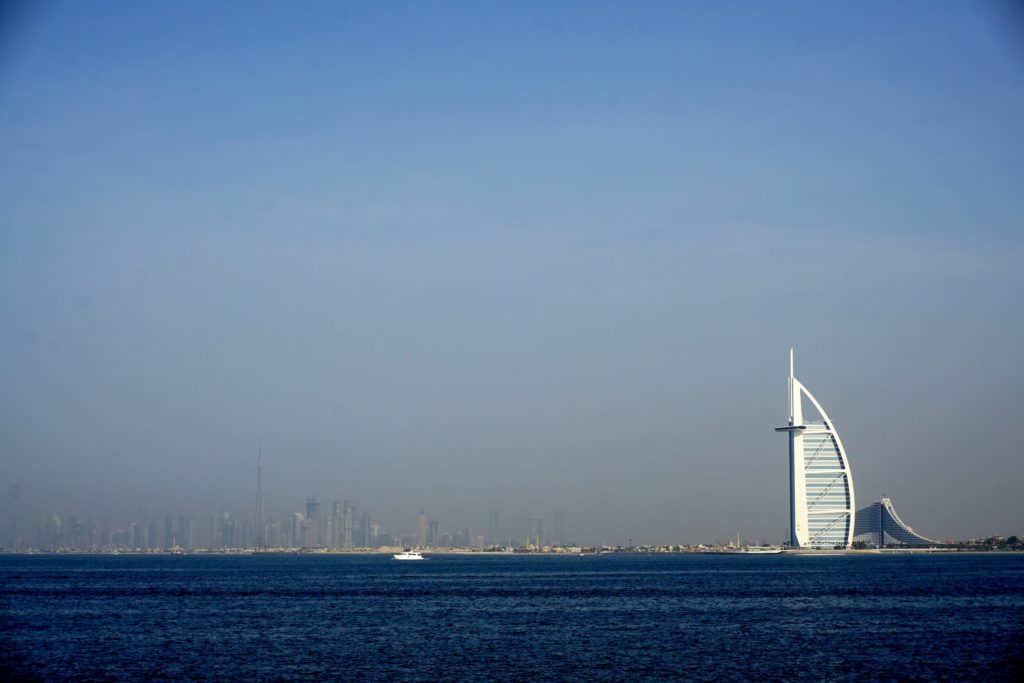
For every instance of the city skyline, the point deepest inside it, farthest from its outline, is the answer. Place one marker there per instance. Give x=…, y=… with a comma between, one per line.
x=823, y=513
x=341, y=527
x=424, y=531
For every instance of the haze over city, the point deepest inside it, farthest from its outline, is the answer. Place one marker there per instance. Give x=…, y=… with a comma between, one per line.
x=461, y=258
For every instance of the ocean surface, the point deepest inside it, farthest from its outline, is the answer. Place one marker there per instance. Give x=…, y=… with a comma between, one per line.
x=523, y=618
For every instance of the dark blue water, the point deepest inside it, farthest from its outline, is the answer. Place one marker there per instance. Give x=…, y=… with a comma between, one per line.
x=512, y=618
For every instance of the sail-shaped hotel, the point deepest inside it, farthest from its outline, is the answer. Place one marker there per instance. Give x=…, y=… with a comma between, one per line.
x=821, y=499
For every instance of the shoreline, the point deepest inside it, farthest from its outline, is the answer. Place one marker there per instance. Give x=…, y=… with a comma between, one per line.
x=450, y=552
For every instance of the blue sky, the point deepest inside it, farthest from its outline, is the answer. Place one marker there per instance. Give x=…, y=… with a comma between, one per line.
x=535, y=257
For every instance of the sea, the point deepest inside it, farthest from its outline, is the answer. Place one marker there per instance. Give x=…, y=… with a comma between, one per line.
x=614, y=617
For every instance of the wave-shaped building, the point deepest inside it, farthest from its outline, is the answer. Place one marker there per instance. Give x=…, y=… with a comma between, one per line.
x=821, y=497
x=878, y=525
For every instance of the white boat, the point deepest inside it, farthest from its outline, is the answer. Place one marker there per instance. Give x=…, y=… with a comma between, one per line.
x=408, y=555
x=760, y=550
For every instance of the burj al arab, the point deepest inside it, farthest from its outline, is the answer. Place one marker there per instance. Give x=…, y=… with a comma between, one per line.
x=821, y=499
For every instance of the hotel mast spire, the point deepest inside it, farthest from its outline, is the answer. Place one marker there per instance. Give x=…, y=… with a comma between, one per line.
x=791, y=411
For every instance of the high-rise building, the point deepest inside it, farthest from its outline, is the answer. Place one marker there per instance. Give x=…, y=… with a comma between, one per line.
x=433, y=534
x=141, y=540
x=821, y=498
x=312, y=509
x=328, y=532
x=243, y=534
x=338, y=513
x=50, y=532
x=421, y=530
x=295, y=530
x=364, y=531
x=261, y=539
x=274, y=538
x=227, y=531
x=535, y=536
x=313, y=518
x=75, y=533
x=308, y=533
x=346, y=524
x=492, y=528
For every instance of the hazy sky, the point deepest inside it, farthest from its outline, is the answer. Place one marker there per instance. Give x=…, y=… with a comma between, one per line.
x=517, y=256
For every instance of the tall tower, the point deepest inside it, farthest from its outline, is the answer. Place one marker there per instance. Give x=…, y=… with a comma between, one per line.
x=821, y=499
x=421, y=530
x=346, y=531
x=261, y=541
x=337, y=539
x=492, y=526
x=535, y=534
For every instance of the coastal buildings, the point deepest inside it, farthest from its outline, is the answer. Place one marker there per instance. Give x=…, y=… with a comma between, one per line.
x=879, y=526
x=821, y=496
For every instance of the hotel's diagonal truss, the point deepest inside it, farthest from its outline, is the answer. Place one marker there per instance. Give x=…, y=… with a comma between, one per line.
x=820, y=484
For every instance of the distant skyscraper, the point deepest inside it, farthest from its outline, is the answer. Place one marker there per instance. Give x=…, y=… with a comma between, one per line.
x=308, y=533
x=337, y=511
x=327, y=531
x=295, y=530
x=312, y=509
x=492, y=528
x=821, y=500
x=273, y=537
x=227, y=531
x=141, y=542
x=421, y=530
x=261, y=540
x=313, y=517
x=535, y=535
x=346, y=525
x=243, y=534
x=364, y=531
x=214, y=532
x=50, y=532
x=433, y=534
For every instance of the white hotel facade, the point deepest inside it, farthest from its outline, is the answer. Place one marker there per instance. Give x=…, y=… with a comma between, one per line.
x=821, y=499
